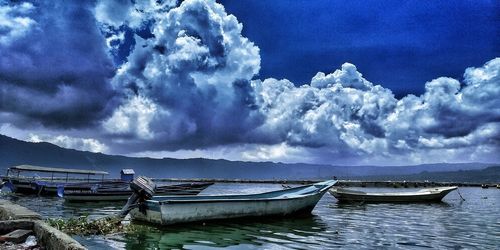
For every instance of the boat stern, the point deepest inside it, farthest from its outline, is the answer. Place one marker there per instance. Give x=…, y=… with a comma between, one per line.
x=149, y=212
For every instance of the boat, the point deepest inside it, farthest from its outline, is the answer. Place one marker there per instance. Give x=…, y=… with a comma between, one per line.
x=167, y=210
x=123, y=193
x=422, y=195
x=49, y=185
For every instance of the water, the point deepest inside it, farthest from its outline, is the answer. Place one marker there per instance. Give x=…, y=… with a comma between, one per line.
x=451, y=224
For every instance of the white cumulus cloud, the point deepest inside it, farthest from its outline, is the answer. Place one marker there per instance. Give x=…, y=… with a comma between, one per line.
x=356, y=119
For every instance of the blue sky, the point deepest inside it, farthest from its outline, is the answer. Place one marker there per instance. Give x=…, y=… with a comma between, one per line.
x=330, y=82
x=398, y=44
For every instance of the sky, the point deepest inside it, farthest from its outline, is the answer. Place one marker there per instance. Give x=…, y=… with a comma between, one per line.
x=330, y=82
x=415, y=39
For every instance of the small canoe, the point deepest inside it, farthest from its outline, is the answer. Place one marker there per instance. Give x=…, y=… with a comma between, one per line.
x=422, y=195
x=123, y=193
x=166, y=210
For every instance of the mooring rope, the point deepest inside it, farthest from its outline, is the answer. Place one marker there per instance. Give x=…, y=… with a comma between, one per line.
x=458, y=191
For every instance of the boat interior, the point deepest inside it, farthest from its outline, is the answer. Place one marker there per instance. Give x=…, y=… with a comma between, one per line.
x=279, y=194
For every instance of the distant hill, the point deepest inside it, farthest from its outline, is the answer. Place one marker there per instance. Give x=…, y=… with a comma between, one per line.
x=17, y=152
x=487, y=175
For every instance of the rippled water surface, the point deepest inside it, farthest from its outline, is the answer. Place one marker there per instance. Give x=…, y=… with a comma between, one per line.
x=455, y=224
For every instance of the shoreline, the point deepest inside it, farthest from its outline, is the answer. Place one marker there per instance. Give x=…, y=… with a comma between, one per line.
x=341, y=182
x=14, y=216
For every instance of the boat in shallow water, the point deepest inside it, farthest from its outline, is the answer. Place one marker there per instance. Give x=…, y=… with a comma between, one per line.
x=422, y=195
x=166, y=210
x=123, y=193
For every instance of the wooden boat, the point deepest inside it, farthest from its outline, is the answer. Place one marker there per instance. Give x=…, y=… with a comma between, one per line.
x=123, y=193
x=165, y=210
x=49, y=185
x=422, y=195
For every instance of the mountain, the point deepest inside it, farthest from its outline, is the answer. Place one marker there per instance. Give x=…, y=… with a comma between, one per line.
x=487, y=175
x=17, y=152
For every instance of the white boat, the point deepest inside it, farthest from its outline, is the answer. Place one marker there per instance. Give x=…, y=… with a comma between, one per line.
x=421, y=195
x=165, y=210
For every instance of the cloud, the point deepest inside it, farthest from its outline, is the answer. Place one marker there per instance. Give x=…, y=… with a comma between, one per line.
x=54, y=68
x=133, y=118
x=348, y=77
x=15, y=22
x=318, y=117
x=343, y=116
x=84, y=144
x=191, y=87
x=133, y=14
x=119, y=20
x=195, y=73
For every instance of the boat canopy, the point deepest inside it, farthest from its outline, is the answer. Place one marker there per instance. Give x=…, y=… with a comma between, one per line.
x=56, y=170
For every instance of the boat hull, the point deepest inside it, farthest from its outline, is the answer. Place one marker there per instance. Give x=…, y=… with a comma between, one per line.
x=53, y=189
x=178, y=211
x=124, y=194
x=22, y=186
x=90, y=197
x=435, y=195
x=49, y=188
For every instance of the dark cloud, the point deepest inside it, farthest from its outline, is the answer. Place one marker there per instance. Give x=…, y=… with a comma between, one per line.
x=57, y=69
x=193, y=77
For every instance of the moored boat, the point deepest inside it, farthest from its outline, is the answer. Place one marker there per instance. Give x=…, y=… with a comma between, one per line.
x=165, y=210
x=49, y=185
x=423, y=195
x=122, y=194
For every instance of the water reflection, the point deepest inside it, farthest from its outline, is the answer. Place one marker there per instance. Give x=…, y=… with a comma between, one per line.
x=452, y=223
x=282, y=231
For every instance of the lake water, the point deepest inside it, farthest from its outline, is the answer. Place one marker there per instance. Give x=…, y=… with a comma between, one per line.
x=451, y=224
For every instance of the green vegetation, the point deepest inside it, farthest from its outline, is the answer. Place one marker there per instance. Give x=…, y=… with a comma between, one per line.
x=83, y=226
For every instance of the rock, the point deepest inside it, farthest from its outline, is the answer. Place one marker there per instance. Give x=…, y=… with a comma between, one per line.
x=16, y=236
x=11, y=211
